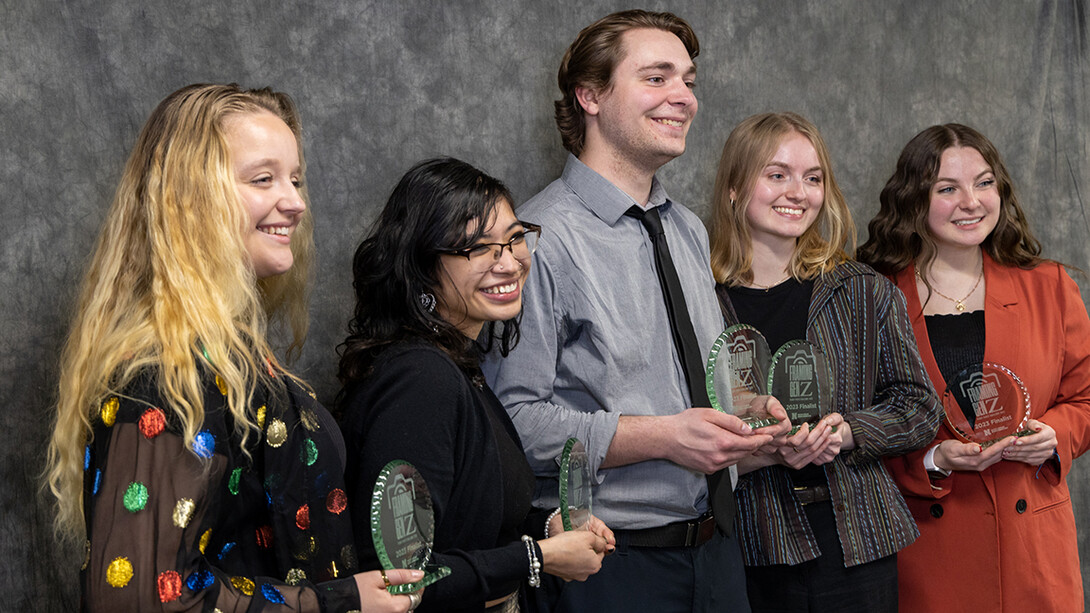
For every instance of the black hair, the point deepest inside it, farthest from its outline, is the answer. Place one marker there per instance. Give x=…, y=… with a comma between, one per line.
x=427, y=214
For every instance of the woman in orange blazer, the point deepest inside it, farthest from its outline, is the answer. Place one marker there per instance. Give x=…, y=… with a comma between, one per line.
x=997, y=531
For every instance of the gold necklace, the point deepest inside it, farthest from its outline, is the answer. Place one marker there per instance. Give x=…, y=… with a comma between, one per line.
x=768, y=287
x=958, y=304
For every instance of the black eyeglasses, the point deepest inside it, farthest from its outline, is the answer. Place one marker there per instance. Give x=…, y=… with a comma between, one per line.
x=484, y=255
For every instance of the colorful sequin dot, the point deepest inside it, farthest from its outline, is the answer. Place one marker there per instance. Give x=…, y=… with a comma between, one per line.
x=336, y=501
x=232, y=481
x=170, y=585
x=261, y=410
x=109, y=411
x=309, y=453
x=204, y=444
x=152, y=422
x=243, y=585
x=272, y=594
x=348, y=556
x=302, y=517
x=277, y=433
x=264, y=537
x=119, y=572
x=203, y=544
x=221, y=385
x=136, y=497
x=308, y=419
x=183, y=512
x=98, y=481
x=87, y=457
x=295, y=576
x=227, y=547
x=200, y=580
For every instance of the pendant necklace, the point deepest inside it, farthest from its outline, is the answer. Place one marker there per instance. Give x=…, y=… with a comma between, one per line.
x=958, y=304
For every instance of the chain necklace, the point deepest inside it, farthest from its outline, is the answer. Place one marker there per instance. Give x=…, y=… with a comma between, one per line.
x=768, y=287
x=958, y=304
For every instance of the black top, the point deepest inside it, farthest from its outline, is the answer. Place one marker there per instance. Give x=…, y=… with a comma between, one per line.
x=957, y=341
x=417, y=405
x=780, y=315
x=216, y=524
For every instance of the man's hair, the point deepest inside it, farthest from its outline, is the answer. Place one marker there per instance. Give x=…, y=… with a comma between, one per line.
x=591, y=58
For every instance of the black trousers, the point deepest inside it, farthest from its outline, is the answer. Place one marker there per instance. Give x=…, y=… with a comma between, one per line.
x=705, y=579
x=824, y=584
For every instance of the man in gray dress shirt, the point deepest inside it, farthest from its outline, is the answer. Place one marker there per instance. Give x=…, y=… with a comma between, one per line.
x=596, y=359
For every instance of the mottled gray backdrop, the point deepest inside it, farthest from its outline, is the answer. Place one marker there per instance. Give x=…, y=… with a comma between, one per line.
x=383, y=84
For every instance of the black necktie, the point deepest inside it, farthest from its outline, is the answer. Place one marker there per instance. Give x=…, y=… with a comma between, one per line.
x=681, y=326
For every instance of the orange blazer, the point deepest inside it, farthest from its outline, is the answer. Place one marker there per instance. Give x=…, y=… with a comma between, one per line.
x=1004, y=539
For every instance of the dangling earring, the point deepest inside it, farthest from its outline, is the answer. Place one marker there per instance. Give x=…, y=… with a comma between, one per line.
x=427, y=301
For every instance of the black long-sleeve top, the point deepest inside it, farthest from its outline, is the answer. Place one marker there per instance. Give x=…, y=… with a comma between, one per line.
x=417, y=405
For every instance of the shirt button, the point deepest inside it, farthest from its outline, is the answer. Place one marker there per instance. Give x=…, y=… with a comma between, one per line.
x=1020, y=506
x=936, y=510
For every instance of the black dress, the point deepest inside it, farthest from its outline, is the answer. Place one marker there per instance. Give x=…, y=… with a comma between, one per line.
x=417, y=405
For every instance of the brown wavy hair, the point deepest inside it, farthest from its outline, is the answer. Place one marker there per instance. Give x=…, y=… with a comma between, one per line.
x=899, y=234
x=749, y=148
x=591, y=58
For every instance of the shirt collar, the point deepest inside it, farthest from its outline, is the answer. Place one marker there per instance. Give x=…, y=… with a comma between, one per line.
x=603, y=198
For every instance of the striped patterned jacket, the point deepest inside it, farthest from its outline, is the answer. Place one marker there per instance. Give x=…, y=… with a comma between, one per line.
x=860, y=321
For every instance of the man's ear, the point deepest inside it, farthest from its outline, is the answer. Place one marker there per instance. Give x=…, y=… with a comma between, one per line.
x=588, y=99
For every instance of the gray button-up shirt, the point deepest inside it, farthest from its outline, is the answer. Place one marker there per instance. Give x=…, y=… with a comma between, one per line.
x=596, y=343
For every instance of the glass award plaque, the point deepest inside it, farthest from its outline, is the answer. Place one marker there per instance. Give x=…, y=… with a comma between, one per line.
x=800, y=378
x=985, y=404
x=403, y=524
x=574, y=485
x=737, y=367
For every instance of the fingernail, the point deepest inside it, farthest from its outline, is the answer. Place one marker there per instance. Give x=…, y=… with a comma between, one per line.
x=417, y=574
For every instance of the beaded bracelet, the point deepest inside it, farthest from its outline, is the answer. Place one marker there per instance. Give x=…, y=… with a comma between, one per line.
x=535, y=564
x=549, y=520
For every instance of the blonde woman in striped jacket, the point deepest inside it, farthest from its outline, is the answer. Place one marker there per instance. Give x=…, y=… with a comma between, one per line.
x=820, y=519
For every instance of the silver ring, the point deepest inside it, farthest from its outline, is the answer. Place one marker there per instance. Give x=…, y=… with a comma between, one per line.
x=414, y=600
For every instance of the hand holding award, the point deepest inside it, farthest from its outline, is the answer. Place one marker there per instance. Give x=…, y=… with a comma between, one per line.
x=403, y=524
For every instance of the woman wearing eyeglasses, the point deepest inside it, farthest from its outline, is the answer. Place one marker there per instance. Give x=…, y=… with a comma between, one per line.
x=446, y=260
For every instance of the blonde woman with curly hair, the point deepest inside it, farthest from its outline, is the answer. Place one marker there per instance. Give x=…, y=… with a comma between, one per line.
x=820, y=520
x=198, y=471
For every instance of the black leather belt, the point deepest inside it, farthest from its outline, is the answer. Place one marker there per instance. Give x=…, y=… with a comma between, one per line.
x=811, y=494
x=691, y=533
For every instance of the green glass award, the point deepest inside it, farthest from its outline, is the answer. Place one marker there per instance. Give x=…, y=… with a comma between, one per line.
x=574, y=485
x=800, y=379
x=403, y=524
x=987, y=403
x=737, y=368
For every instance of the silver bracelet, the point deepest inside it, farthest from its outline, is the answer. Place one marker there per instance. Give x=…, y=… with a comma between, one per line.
x=535, y=564
x=549, y=520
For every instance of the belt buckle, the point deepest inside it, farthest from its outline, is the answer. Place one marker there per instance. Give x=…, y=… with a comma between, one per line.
x=692, y=529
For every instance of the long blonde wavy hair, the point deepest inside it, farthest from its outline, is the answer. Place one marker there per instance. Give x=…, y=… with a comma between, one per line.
x=749, y=148
x=170, y=288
